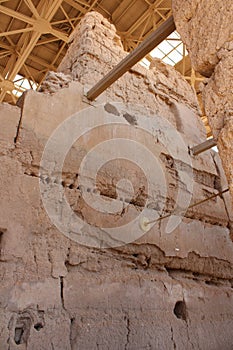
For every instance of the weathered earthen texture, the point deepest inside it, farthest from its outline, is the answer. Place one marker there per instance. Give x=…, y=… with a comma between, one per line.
x=217, y=95
x=95, y=49
x=162, y=291
x=206, y=27
x=9, y=124
x=218, y=101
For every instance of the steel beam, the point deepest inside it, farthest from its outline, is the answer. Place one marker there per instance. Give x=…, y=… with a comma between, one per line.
x=33, y=40
x=135, y=56
x=141, y=19
x=17, y=31
x=32, y=8
x=76, y=6
x=32, y=57
x=17, y=15
x=121, y=10
x=202, y=147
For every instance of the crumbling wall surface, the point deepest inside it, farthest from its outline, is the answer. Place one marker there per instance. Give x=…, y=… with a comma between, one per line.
x=158, y=291
x=206, y=27
x=218, y=100
x=95, y=49
x=162, y=291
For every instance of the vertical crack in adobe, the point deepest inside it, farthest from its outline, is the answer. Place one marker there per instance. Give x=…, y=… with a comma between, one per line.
x=20, y=120
x=62, y=291
x=128, y=332
x=122, y=296
x=172, y=338
x=188, y=336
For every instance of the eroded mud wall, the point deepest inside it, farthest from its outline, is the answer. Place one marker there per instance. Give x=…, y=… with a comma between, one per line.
x=160, y=291
x=206, y=28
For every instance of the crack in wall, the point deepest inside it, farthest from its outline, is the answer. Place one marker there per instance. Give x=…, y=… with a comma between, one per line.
x=62, y=292
x=128, y=332
x=20, y=104
x=173, y=340
x=142, y=257
x=188, y=323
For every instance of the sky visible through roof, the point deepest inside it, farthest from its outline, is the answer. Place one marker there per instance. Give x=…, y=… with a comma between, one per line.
x=170, y=51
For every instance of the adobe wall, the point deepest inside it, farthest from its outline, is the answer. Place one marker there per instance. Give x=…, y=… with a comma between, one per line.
x=91, y=287
x=206, y=28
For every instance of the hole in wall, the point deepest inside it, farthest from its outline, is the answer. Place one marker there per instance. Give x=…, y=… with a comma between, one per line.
x=18, y=338
x=1, y=234
x=2, y=231
x=22, y=327
x=180, y=310
x=38, y=326
x=213, y=283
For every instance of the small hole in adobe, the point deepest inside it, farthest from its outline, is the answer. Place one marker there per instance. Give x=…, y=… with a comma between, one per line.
x=38, y=326
x=18, y=338
x=180, y=310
